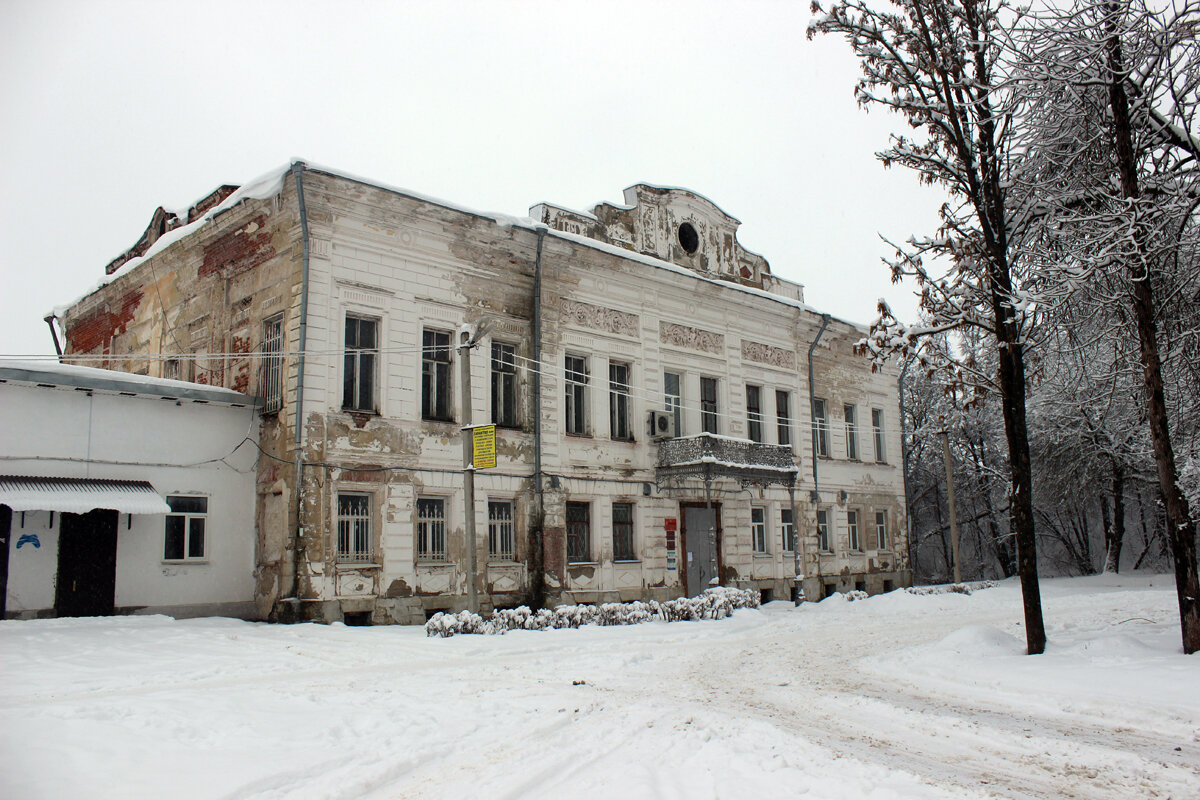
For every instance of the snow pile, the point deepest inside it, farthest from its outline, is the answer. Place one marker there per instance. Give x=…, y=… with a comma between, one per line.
x=715, y=603
x=952, y=588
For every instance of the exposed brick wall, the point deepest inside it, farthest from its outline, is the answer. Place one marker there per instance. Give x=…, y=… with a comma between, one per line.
x=239, y=250
x=94, y=331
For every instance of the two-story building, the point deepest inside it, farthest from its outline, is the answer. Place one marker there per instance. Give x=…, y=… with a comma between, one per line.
x=668, y=413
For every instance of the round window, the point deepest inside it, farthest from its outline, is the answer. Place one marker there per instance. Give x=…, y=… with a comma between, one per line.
x=689, y=240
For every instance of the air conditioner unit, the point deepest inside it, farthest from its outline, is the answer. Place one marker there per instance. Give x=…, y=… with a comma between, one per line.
x=662, y=425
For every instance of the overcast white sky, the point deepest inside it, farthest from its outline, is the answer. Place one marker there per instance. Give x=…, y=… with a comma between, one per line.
x=108, y=110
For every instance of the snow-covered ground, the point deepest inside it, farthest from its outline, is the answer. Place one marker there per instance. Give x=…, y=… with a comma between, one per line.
x=895, y=696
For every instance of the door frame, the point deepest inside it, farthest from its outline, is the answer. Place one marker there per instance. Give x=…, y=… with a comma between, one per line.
x=97, y=523
x=716, y=508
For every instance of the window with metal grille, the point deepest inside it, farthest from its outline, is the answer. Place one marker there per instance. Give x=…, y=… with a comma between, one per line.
x=881, y=530
x=431, y=529
x=358, y=371
x=820, y=423
x=852, y=530
x=576, y=395
x=622, y=531
x=754, y=427
x=501, y=543
x=504, y=385
x=851, y=431
x=709, y=411
x=435, y=375
x=788, y=528
x=618, y=401
x=823, y=538
x=673, y=399
x=272, y=363
x=353, y=527
x=877, y=425
x=579, y=532
x=184, y=538
x=783, y=417
x=758, y=529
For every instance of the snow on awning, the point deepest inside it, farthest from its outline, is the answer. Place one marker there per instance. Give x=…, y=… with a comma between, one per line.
x=79, y=495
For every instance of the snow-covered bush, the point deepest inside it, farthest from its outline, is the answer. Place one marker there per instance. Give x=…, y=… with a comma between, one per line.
x=951, y=588
x=715, y=603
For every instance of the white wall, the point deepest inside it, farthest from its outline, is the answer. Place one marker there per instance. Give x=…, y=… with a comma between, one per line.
x=180, y=447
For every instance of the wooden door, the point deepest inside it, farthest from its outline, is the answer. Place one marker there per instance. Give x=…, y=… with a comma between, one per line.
x=87, y=564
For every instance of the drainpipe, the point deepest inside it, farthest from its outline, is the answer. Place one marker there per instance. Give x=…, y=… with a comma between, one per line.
x=904, y=465
x=297, y=174
x=816, y=494
x=537, y=579
x=812, y=404
x=49, y=319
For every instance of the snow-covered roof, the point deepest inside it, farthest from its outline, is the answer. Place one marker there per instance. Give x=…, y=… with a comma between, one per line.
x=79, y=495
x=78, y=377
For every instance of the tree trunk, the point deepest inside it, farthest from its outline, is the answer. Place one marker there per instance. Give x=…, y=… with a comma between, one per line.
x=1114, y=534
x=1181, y=531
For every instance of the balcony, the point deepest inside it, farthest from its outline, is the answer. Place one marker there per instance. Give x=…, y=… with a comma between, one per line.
x=708, y=456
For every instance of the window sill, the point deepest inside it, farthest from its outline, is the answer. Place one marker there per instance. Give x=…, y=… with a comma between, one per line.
x=622, y=441
x=627, y=561
x=583, y=563
x=442, y=420
x=183, y=562
x=370, y=412
x=359, y=565
x=578, y=435
x=430, y=563
x=764, y=555
x=503, y=562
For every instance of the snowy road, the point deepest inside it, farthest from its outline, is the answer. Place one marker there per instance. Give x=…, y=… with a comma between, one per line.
x=896, y=696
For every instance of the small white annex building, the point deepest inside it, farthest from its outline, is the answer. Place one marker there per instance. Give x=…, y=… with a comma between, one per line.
x=123, y=493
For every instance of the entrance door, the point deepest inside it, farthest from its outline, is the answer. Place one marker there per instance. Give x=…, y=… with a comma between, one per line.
x=87, y=564
x=701, y=541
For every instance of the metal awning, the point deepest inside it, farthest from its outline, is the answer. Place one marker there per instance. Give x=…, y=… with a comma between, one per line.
x=79, y=495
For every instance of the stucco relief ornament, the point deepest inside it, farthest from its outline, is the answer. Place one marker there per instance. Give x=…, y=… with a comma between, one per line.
x=692, y=338
x=766, y=354
x=598, y=318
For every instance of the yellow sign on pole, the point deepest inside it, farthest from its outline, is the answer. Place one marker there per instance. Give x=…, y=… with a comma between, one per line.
x=483, y=440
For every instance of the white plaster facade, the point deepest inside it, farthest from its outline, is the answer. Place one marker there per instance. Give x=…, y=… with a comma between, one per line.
x=70, y=422
x=627, y=285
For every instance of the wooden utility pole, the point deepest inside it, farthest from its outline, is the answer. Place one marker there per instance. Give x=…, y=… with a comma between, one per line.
x=950, y=495
x=466, y=342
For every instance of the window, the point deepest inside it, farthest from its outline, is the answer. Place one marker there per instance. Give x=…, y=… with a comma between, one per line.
x=358, y=374
x=622, y=531
x=170, y=369
x=852, y=530
x=881, y=530
x=431, y=529
x=353, y=527
x=783, y=417
x=708, y=405
x=504, y=385
x=579, y=532
x=758, y=529
x=820, y=426
x=851, y=432
x=877, y=426
x=272, y=363
x=673, y=399
x=501, y=544
x=618, y=401
x=576, y=400
x=435, y=375
x=754, y=413
x=823, y=539
x=184, y=537
x=788, y=528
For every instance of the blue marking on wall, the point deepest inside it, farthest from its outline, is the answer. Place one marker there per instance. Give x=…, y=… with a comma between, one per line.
x=29, y=538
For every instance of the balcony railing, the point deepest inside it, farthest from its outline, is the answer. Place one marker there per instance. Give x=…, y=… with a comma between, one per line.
x=708, y=456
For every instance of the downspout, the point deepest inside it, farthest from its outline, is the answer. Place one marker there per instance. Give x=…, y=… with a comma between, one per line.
x=297, y=174
x=904, y=469
x=49, y=319
x=537, y=577
x=812, y=411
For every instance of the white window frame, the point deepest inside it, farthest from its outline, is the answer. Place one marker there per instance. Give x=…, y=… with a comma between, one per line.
x=783, y=418
x=673, y=402
x=576, y=417
x=853, y=530
x=877, y=429
x=787, y=529
x=587, y=557
x=881, y=538
x=758, y=530
x=437, y=376
x=851, y=413
x=355, y=355
x=754, y=415
x=633, y=552
x=272, y=363
x=505, y=399
x=820, y=425
x=710, y=411
x=352, y=553
x=502, y=529
x=190, y=520
x=429, y=531
x=620, y=417
x=824, y=531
